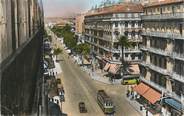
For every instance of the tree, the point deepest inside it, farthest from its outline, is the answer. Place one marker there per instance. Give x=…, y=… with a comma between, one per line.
x=125, y=43
x=57, y=51
x=83, y=48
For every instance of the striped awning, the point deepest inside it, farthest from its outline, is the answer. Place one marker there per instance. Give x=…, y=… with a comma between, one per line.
x=147, y=92
x=107, y=66
x=114, y=68
x=133, y=69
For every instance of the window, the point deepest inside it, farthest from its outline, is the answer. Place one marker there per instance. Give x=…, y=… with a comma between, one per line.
x=126, y=24
x=136, y=15
x=116, y=24
x=133, y=24
x=129, y=15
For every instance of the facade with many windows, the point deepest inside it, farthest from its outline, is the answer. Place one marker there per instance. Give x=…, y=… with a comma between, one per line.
x=21, y=31
x=104, y=26
x=163, y=48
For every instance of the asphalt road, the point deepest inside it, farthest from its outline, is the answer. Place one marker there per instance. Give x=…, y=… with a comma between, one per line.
x=80, y=87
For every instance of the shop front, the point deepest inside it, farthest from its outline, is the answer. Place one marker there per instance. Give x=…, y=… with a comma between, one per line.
x=172, y=107
x=148, y=97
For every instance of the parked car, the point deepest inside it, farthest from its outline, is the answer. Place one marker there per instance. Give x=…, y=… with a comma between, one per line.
x=82, y=107
x=62, y=98
x=58, y=81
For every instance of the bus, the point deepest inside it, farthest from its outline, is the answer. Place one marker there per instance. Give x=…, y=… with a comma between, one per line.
x=105, y=102
x=130, y=80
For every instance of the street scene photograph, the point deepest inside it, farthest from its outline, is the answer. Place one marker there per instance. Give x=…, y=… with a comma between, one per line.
x=91, y=57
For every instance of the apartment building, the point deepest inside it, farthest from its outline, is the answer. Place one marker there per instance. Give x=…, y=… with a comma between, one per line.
x=162, y=68
x=79, y=23
x=21, y=27
x=104, y=26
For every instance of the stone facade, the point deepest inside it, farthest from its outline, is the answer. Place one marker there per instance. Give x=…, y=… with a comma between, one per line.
x=21, y=29
x=105, y=25
x=163, y=47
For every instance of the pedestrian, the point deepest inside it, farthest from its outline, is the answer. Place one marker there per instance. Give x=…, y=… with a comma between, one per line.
x=128, y=92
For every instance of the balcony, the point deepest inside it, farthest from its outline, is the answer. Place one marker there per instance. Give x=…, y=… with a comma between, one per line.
x=178, y=77
x=143, y=63
x=136, y=29
x=106, y=48
x=152, y=84
x=94, y=27
x=163, y=35
x=178, y=56
x=132, y=50
x=92, y=43
x=159, y=51
x=159, y=69
x=143, y=48
x=125, y=18
x=178, y=15
x=156, y=68
x=135, y=39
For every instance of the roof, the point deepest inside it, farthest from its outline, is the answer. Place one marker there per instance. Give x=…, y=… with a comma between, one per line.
x=103, y=94
x=118, y=8
x=163, y=2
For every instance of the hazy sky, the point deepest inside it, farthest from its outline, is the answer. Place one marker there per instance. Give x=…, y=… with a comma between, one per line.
x=54, y=8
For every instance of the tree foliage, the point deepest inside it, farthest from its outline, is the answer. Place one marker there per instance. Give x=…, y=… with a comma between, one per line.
x=83, y=49
x=66, y=33
x=57, y=51
x=125, y=43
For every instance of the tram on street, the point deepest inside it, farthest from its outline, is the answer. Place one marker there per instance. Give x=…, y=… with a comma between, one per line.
x=105, y=102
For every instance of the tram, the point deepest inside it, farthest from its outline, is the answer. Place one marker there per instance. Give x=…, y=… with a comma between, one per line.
x=105, y=102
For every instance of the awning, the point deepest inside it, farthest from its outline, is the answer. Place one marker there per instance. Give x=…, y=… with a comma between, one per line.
x=114, y=68
x=133, y=69
x=148, y=93
x=107, y=66
x=173, y=103
x=86, y=62
x=152, y=96
x=141, y=88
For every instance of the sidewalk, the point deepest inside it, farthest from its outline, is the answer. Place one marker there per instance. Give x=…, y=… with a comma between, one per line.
x=136, y=105
x=98, y=75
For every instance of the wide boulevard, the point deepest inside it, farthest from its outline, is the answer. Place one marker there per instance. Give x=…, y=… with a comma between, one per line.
x=80, y=87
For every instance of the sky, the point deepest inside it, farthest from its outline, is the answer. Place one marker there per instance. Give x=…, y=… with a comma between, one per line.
x=59, y=8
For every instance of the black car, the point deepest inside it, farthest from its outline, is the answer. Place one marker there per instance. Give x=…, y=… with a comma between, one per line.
x=82, y=107
x=58, y=81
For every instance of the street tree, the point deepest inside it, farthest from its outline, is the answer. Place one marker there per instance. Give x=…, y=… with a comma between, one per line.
x=124, y=43
x=57, y=51
x=83, y=49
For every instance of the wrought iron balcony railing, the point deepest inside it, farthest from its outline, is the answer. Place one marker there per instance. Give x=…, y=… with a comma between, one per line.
x=178, y=15
x=163, y=35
